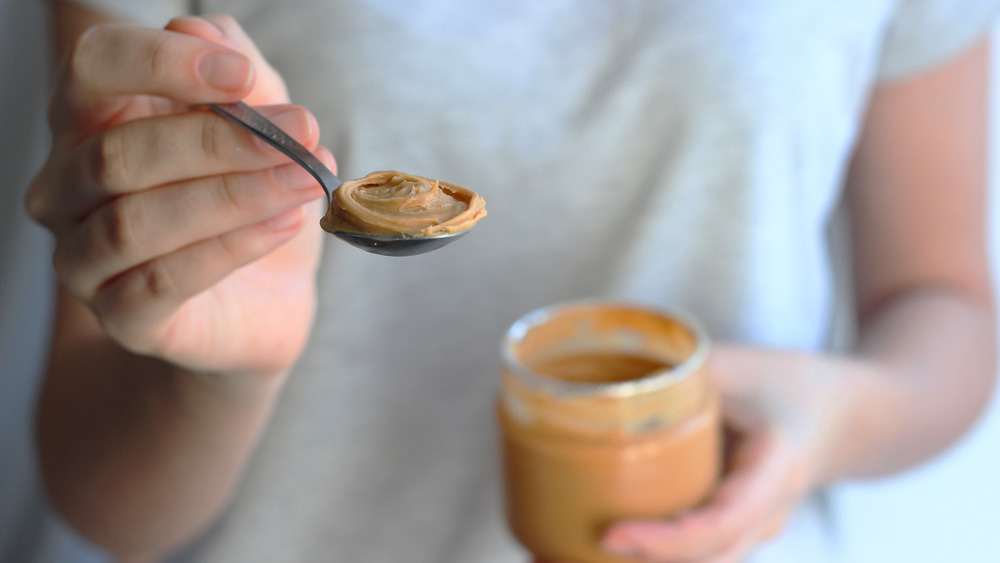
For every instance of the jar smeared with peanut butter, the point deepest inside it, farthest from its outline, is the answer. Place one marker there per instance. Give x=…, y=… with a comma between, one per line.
x=605, y=413
x=394, y=203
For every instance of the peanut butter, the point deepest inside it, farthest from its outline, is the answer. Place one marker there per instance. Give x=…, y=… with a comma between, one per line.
x=393, y=203
x=605, y=413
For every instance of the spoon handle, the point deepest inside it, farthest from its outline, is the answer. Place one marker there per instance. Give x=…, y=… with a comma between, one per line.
x=248, y=118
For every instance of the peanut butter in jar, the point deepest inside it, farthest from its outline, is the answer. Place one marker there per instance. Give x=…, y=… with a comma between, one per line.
x=605, y=413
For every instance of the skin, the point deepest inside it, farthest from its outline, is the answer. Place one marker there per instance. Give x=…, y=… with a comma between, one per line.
x=187, y=292
x=176, y=234
x=924, y=364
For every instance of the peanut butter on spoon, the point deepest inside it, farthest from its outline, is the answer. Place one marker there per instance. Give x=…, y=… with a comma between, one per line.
x=395, y=203
x=387, y=213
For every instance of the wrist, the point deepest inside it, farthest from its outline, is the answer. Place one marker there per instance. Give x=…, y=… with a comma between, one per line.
x=232, y=388
x=860, y=410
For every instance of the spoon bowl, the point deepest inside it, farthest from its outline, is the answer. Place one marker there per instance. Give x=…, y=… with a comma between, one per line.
x=384, y=244
x=397, y=245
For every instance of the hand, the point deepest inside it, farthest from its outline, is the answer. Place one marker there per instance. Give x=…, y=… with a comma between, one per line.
x=782, y=409
x=182, y=232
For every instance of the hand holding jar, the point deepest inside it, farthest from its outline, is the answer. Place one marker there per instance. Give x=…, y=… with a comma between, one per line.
x=606, y=413
x=594, y=475
x=780, y=410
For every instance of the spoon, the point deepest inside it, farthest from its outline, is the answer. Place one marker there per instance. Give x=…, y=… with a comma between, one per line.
x=385, y=244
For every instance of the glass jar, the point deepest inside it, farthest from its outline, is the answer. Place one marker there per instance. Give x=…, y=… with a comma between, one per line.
x=605, y=412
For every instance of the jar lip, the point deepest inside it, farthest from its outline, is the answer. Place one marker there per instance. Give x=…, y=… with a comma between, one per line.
x=652, y=382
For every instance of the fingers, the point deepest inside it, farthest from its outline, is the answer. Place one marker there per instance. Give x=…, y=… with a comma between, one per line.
x=137, y=304
x=112, y=60
x=268, y=88
x=734, y=519
x=156, y=206
x=182, y=241
x=145, y=153
x=133, y=229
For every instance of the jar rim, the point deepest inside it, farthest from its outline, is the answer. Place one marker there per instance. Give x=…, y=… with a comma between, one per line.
x=654, y=381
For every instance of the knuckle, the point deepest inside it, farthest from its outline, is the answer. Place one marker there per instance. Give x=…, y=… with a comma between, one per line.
x=85, y=51
x=41, y=199
x=161, y=57
x=213, y=132
x=271, y=182
x=156, y=282
x=232, y=251
x=36, y=203
x=116, y=225
x=124, y=305
x=111, y=161
x=232, y=195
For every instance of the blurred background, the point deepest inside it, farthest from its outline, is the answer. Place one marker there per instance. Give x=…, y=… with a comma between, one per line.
x=943, y=511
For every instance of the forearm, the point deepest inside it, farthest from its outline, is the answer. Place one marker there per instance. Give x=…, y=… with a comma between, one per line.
x=136, y=454
x=916, y=193
x=926, y=361
x=198, y=256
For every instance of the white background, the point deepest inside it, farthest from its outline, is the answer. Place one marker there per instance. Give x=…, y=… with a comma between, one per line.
x=946, y=511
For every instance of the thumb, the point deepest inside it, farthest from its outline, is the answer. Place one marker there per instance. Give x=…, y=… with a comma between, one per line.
x=269, y=88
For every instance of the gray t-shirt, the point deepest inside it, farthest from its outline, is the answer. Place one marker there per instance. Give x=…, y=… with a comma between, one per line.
x=682, y=154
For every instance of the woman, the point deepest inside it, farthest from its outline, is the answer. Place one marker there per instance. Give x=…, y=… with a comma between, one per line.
x=224, y=386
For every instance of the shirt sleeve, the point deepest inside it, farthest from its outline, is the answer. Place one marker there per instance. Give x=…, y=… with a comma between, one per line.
x=925, y=33
x=154, y=13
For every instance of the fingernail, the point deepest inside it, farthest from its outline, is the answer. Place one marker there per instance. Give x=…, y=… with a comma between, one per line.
x=225, y=71
x=287, y=220
x=294, y=177
x=297, y=122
